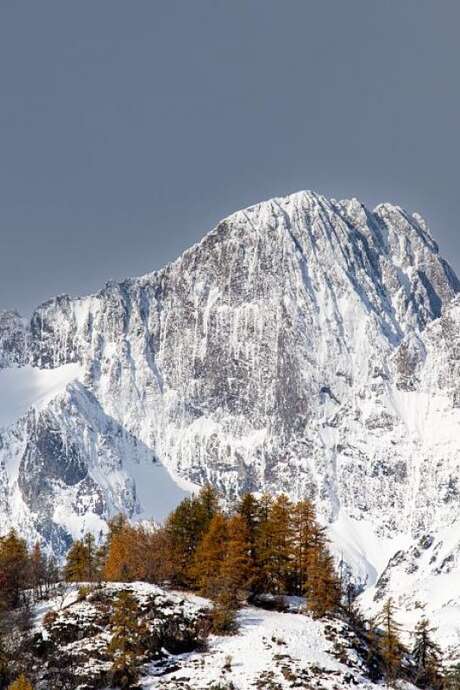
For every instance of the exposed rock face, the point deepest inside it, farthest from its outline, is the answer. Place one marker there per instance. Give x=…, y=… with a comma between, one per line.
x=13, y=335
x=305, y=345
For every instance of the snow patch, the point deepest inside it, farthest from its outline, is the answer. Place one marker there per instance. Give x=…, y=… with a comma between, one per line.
x=25, y=387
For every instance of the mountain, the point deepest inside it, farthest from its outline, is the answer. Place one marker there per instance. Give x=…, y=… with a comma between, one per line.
x=305, y=345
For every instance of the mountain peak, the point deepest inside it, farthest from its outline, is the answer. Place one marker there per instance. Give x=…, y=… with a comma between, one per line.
x=305, y=345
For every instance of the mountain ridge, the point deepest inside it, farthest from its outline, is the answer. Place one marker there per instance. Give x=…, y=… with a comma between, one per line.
x=303, y=345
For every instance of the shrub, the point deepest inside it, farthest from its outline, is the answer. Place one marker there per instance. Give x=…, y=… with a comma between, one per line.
x=84, y=591
x=223, y=620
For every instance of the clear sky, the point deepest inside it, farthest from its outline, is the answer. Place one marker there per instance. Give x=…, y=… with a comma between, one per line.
x=129, y=128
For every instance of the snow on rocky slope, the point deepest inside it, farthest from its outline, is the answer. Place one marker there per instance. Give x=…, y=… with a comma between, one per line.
x=304, y=345
x=72, y=633
x=270, y=650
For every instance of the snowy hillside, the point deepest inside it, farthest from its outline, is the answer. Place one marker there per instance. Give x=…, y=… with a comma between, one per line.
x=270, y=650
x=305, y=345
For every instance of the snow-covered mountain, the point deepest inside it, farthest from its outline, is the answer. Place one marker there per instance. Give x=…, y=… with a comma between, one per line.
x=304, y=345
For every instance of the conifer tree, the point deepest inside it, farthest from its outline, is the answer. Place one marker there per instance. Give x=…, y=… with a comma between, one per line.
x=116, y=525
x=82, y=564
x=14, y=568
x=89, y=543
x=126, y=646
x=279, y=561
x=119, y=564
x=76, y=567
x=205, y=570
x=304, y=527
x=207, y=504
x=236, y=570
x=321, y=588
x=184, y=529
x=274, y=544
x=21, y=683
x=390, y=645
x=248, y=509
x=427, y=656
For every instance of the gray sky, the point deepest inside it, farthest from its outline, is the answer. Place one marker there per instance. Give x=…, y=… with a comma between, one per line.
x=128, y=129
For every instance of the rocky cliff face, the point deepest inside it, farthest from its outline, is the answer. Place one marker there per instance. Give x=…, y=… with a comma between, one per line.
x=304, y=345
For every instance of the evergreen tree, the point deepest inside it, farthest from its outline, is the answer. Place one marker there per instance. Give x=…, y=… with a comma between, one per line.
x=126, y=646
x=89, y=543
x=21, y=683
x=76, y=566
x=427, y=656
x=248, y=509
x=184, y=529
x=207, y=504
x=390, y=646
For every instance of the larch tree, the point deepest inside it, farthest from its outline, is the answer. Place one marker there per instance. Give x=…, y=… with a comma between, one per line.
x=89, y=543
x=390, y=645
x=322, y=588
x=236, y=570
x=274, y=544
x=207, y=505
x=205, y=570
x=14, y=568
x=75, y=568
x=126, y=646
x=304, y=527
x=119, y=565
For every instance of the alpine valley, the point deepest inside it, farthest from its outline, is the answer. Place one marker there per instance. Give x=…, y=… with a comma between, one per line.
x=305, y=345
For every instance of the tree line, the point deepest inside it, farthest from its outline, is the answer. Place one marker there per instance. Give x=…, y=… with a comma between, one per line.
x=266, y=545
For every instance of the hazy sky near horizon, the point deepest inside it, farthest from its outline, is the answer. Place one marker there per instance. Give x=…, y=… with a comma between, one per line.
x=128, y=129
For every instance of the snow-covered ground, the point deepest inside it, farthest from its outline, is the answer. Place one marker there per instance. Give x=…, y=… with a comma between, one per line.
x=26, y=387
x=271, y=649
